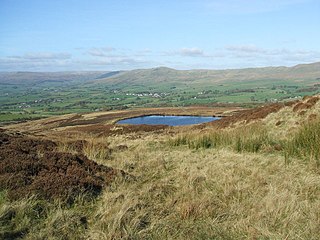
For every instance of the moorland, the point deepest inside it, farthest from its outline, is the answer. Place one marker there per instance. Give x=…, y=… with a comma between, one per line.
x=69, y=171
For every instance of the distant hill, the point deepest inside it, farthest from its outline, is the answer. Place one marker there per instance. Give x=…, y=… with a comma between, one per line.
x=169, y=75
x=163, y=74
x=37, y=77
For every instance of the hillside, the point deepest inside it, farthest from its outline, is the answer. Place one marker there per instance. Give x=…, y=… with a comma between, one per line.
x=163, y=74
x=43, y=77
x=251, y=175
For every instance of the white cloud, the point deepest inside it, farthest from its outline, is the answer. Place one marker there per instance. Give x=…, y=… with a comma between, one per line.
x=266, y=56
x=113, y=61
x=40, y=56
x=35, y=61
x=231, y=56
x=191, y=52
x=186, y=52
x=101, y=52
x=245, y=49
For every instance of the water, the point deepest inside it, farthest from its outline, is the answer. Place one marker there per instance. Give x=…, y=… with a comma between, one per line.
x=167, y=120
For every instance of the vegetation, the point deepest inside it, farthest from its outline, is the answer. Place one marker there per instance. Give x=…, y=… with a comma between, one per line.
x=256, y=138
x=246, y=180
x=31, y=218
x=230, y=183
x=305, y=144
x=25, y=96
x=251, y=138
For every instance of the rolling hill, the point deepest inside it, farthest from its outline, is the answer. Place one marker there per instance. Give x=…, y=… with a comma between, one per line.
x=164, y=74
x=41, y=77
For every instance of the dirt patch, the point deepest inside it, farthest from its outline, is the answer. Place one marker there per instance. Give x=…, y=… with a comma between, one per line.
x=31, y=166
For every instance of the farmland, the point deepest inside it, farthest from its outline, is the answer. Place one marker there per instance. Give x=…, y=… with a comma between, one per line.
x=23, y=99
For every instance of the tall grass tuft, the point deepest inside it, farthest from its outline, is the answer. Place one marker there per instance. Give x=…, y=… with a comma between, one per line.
x=209, y=140
x=251, y=138
x=251, y=143
x=306, y=143
x=97, y=149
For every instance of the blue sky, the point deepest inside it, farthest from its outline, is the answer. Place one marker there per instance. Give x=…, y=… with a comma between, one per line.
x=65, y=35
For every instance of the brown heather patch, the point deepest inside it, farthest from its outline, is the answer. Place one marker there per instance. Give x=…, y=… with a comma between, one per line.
x=313, y=100
x=29, y=166
x=303, y=105
x=248, y=115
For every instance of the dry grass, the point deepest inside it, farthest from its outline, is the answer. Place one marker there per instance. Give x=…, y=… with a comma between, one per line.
x=196, y=193
x=251, y=138
x=32, y=218
x=182, y=193
x=92, y=147
x=204, y=184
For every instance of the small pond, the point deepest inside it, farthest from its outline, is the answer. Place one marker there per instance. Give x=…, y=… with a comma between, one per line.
x=168, y=120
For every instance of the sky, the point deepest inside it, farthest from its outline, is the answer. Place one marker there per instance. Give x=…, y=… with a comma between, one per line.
x=107, y=35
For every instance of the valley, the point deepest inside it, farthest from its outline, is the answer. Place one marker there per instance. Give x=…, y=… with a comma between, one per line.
x=24, y=96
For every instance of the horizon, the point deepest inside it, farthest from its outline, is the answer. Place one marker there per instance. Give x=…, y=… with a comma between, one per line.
x=156, y=67
x=64, y=36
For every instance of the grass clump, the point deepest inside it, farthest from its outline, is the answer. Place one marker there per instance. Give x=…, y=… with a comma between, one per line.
x=306, y=143
x=253, y=138
x=97, y=151
x=33, y=218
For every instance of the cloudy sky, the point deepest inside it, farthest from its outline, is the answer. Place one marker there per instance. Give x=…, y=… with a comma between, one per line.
x=63, y=35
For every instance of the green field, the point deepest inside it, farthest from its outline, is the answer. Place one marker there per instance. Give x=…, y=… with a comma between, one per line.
x=32, y=97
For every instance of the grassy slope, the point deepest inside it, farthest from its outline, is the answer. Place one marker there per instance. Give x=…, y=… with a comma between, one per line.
x=222, y=192
x=231, y=190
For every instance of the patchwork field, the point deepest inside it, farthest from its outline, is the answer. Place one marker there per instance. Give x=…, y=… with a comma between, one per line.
x=25, y=96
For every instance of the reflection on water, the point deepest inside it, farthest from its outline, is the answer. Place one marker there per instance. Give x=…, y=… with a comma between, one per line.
x=168, y=120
